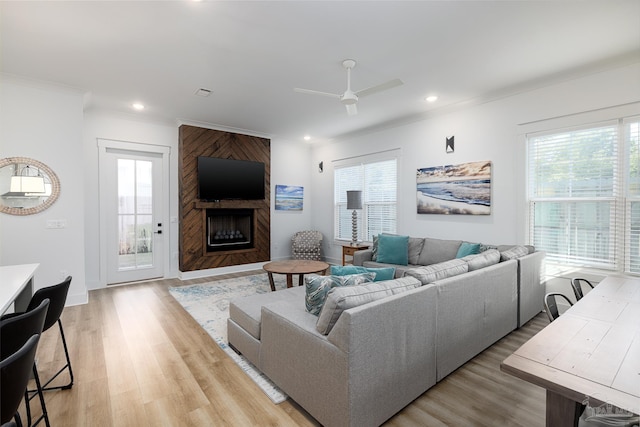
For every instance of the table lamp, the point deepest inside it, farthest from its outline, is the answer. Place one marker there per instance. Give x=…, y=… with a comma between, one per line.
x=354, y=202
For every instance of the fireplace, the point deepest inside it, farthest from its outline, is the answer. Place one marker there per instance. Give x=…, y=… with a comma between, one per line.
x=229, y=229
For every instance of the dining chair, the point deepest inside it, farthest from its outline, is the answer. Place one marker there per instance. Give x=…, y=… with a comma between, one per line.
x=57, y=295
x=15, y=372
x=15, y=330
x=576, y=285
x=551, y=304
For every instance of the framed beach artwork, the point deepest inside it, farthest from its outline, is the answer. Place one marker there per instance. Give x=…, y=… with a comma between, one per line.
x=463, y=189
x=289, y=198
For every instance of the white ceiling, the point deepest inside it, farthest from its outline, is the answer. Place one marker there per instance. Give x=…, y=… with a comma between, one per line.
x=252, y=55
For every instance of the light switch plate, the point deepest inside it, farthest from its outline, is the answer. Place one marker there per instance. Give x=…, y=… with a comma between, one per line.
x=56, y=223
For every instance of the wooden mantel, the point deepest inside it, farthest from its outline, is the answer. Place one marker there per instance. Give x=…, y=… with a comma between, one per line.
x=195, y=142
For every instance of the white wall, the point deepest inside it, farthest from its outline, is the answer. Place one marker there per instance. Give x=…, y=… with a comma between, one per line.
x=290, y=165
x=487, y=131
x=45, y=123
x=133, y=129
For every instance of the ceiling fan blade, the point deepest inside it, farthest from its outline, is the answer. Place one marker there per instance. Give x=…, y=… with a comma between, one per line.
x=352, y=110
x=315, y=92
x=379, y=88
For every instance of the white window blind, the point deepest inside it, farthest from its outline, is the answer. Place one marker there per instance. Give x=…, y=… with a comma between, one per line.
x=632, y=208
x=573, y=181
x=377, y=179
x=584, y=195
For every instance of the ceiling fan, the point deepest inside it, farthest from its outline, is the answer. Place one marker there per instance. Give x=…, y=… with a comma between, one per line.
x=349, y=98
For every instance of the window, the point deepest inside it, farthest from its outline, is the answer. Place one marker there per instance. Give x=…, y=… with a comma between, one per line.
x=584, y=195
x=632, y=208
x=377, y=179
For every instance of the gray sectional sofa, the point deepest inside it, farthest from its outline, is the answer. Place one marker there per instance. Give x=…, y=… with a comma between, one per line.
x=375, y=347
x=428, y=251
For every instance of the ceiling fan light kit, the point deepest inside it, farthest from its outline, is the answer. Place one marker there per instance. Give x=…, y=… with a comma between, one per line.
x=350, y=98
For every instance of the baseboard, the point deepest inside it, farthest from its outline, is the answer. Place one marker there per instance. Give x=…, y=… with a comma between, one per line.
x=77, y=299
x=187, y=275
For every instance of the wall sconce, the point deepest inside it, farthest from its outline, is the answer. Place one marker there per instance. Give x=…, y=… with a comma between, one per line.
x=354, y=202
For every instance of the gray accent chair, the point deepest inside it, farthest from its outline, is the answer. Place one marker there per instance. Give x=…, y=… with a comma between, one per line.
x=306, y=245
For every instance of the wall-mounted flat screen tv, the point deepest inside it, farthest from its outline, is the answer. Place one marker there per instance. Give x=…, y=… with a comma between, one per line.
x=225, y=179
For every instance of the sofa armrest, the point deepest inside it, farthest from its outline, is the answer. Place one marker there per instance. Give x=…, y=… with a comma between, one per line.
x=303, y=363
x=531, y=286
x=360, y=257
x=389, y=361
x=391, y=348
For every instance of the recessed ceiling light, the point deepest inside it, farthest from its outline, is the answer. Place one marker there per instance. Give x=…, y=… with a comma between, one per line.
x=431, y=98
x=307, y=138
x=137, y=106
x=203, y=92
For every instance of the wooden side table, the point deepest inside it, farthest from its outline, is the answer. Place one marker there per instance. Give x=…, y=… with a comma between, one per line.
x=349, y=250
x=291, y=267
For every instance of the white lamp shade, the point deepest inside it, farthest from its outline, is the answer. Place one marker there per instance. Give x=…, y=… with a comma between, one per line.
x=354, y=200
x=27, y=184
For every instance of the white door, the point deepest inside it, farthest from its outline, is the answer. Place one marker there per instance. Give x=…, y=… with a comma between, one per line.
x=133, y=215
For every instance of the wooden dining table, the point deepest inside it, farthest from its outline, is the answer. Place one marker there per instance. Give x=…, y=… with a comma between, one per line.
x=16, y=286
x=589, y=355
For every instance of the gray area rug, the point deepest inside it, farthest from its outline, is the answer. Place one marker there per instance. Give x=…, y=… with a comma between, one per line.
x=208, y=304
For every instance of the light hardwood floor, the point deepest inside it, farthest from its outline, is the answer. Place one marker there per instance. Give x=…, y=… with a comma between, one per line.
x=140, y=360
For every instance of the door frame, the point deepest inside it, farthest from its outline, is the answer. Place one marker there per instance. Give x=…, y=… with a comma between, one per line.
x=143, y=149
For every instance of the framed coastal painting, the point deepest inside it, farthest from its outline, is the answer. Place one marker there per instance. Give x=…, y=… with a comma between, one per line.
x=463, y=189
x=289, y=198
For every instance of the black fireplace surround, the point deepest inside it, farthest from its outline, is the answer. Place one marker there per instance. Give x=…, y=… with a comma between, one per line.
x=229, y=229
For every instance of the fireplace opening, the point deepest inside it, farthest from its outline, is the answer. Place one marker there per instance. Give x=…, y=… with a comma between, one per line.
x=229, y=229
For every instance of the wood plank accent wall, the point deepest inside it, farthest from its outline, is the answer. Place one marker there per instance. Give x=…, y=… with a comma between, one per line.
x=194, y=142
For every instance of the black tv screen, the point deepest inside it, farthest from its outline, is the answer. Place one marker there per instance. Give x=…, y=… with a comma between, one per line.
x=224, y=179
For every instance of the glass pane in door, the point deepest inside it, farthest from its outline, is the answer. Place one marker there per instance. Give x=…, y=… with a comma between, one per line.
x=135, y=222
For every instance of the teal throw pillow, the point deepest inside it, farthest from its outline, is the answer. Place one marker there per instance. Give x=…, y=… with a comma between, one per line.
x=317, y=288
x=393, y=249
x=467, y=248
x=383, y=273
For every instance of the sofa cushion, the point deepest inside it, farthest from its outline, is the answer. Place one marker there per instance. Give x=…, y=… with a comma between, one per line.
x=436, y=250
x=393, y=249
x=341, y=299
x=513, y=253
x=486, y=247
x=467, y=248
x=400, y=269
x=482, y=260
x=415, y=247
x=504, y=248
x=317, y=287
x=246, y=311
x=442, y=270
x=382, y=273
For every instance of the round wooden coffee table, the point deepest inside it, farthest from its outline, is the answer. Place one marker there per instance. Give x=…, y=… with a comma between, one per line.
x=291, y=267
